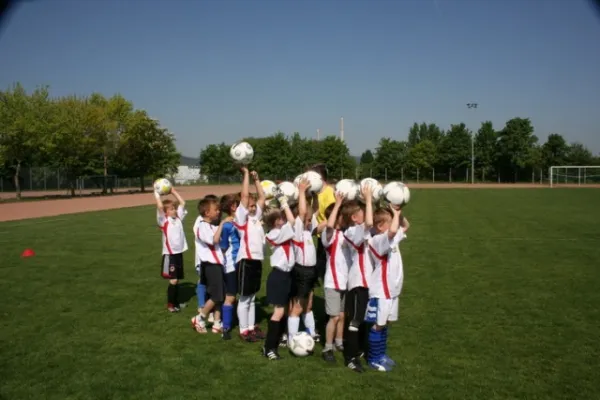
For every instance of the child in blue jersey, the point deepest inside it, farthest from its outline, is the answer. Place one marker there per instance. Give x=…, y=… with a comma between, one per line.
x=230, y=245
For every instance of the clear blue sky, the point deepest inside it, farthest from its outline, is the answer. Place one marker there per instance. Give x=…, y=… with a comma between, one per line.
x=216, y=71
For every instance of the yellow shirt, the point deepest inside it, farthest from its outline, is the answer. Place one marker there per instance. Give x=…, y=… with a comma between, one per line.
x=326, y=198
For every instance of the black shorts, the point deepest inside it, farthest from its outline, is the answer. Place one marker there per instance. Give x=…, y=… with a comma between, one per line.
x=279, y=285
x=231, y=283
x=355, y=309
x=249, y=277
x=321, y=261
x=212, y=276
x=171, y=266
x=303, y=281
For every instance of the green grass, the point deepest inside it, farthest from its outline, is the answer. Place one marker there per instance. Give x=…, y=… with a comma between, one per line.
x=501, y=301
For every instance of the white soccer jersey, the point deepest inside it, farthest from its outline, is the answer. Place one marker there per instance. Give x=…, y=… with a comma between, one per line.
x=360, y=268
x=388, y=274
x=252, y=234
x=336, y=273
x=173, y=237
x=206, y=250
x=304, y=246
x=280, y=240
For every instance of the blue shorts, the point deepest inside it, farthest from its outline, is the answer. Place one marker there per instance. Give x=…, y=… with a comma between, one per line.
x=231, y=283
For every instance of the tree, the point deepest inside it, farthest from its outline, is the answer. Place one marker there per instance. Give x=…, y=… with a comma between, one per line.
x=147, y=149
x=455, y=149
x=77, y=131
x=423, y=131
x=23, y=124
x=366, y=157
x=578, y=154
x=390, y=158
x=486, y=148
x=422, y=155
x=554, y=151
x=336, y=154
x=515, y=142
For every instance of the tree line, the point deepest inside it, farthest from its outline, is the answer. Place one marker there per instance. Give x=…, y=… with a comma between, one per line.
x=508, y=154
x=82, y=136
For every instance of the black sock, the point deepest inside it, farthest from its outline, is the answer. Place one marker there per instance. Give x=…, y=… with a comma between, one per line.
x=363, y=337
x=351, y=346
x=273, y=335
x=176, y=296
x=283, y=325
x=172, y=295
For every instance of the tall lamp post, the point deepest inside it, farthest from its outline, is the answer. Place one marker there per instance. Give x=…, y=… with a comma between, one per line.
x=472, y=106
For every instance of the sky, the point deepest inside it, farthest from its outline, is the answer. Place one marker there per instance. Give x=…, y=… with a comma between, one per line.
x=214, y=71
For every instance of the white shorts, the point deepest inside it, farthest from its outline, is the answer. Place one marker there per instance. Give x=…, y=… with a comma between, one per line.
x=382, y=311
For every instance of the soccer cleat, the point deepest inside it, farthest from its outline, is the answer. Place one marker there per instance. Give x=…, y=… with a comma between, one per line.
x=272, y=355
x=182, y=306
x=283, y=342
x=380, y=366
x=328, y=356
x=257, y=333
x=173, y=309
x=317, y=338
x=388, y=361
x=217, y=327
x=339, y=347
x=355, y=365
x=226, y=334
x=248, y=337
x=198, y=325
x=211, y=318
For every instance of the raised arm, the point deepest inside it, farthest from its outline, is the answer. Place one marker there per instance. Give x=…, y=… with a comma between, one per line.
x=302, y=188
x=180, y=199
x=217, y=236
x=332, y=220
x=245, y=187
x=404, y=223
x=395, y=225
x=367, y=193
x=260, y=193
x=159, y=203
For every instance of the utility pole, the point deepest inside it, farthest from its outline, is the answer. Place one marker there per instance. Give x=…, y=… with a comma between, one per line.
x=318, y=134
x=472, y=106
x=342, y=129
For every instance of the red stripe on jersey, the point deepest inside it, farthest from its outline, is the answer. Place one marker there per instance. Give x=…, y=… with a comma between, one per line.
x=384, y=271
x=332, y=250
x=361, y=260
x=286, y=246
x=300, y=245
x=164, y=229
x=211, y=247
x=244, y=229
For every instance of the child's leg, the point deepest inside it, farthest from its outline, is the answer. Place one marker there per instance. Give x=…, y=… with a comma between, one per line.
x=330, y=332
x=172, y=300
x=273, y=331
x=293, y=323
x=200, y=295
x=243, y=311
x=230, y=294
x=309, y=318
x=339, y=331
x=376, y=355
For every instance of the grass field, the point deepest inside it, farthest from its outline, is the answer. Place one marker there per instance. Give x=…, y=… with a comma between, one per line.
x=501, y=301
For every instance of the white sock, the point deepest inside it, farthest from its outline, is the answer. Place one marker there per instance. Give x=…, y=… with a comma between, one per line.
x=252, y=313
x=293, y=324
x=309, y=322
x=242, y=312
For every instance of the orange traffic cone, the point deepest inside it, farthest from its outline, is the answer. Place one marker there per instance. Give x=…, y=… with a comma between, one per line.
x=28, y=253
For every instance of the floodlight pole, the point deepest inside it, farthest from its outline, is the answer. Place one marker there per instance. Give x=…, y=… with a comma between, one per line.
x=473, y=106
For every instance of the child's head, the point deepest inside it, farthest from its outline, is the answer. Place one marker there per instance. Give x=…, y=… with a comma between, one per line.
x=208, y=208
x=274, y=218
x=382, y=219
x=328, y=212
x=229, y=203
x=352, y=213
x=170, y=208
x=252, y=204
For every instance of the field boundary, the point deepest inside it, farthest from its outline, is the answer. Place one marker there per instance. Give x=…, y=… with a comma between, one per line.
x=14, y=211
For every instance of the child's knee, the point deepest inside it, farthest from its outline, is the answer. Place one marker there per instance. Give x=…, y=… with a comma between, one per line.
x=296, y=308
x=229, y=300
x=278, y=313
x=173, y=281
x=377, y=327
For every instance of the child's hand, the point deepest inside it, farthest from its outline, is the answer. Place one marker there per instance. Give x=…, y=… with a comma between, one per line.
x=339, y=198
x=254, y=175
x=304, y=185
x=396, y=210
x=173, y=190
x=367, y=192
x=227, y=219
x=244, y=169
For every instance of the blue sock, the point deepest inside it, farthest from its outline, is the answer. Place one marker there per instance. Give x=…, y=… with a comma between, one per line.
x=227, y=316
x=201, y=294
x=376, y=346
x=384, y=333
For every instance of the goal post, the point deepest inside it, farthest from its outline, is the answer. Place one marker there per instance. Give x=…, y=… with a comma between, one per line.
x=574, y=175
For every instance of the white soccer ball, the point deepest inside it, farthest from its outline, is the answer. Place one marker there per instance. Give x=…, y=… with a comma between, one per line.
x=289, y=190
x=397, y=193
x=269, y=189
x=376, y=188
x=242, y=153
x=315, y=180
x=348, y=188
x=302, y=344
x=162, y=186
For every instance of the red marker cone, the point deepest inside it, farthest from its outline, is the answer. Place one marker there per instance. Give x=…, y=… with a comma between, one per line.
x=28, y=253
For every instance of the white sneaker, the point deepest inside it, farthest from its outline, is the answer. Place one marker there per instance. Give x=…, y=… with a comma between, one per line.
x=211, y=318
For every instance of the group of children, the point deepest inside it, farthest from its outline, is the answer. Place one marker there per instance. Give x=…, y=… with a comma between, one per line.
x=362, y=280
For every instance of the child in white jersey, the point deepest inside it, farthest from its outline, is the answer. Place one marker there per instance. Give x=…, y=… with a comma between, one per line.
x=336, y=278
x=169, y=217
x=304, y=272
x=279, y=222
x=358, y=220
x=250, y=255
x=386, y=282
x=200, y=288
x=207, y=231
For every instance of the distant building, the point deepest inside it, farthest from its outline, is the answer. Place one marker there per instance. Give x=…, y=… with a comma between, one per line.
x=188, y=174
